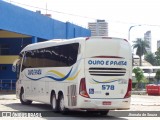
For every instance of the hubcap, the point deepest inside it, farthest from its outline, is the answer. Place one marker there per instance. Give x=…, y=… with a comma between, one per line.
x=53, y=102
x=62, y=104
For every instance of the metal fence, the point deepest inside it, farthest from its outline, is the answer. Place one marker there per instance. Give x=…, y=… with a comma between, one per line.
x=7, y=84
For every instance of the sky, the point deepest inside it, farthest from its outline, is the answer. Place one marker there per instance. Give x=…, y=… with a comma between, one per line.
x=120, y=15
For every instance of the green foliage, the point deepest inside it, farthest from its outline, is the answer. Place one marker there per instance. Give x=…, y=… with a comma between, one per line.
x=138, y=74
x=141, y=46
x=150, y=57
x=157, y=76
x=145, y=80
x=139, y=77
x=157, y=53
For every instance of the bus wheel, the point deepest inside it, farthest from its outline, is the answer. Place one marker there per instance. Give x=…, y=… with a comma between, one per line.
x=54, y=103
x=23, y=100
x=62, y=108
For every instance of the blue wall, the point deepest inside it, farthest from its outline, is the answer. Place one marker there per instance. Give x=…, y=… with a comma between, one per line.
x=23, y=21
x=7, y=78
x=73, y=31
x=20, y=20
x=15, y=44
x=7, y=74
x=59, y=30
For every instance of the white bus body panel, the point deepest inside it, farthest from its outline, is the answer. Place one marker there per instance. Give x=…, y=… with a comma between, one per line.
x=108, y=68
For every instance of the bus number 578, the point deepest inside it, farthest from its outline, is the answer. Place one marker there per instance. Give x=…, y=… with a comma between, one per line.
x=107, y=87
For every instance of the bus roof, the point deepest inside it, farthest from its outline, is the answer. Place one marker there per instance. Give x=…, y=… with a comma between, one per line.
x=50, y=43
x=55, y=42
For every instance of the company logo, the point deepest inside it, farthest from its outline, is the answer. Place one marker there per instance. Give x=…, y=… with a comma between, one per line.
x=102, y=62
x=52, y=74
x=35, y=72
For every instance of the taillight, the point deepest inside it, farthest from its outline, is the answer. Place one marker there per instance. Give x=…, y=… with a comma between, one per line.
x=129, y=89
x=82, y=88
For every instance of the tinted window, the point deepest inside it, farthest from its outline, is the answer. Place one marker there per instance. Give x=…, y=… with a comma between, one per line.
x=40, y=59
x=57, y=56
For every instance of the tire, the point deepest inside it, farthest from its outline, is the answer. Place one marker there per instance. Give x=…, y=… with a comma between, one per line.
x=24, y=101
x=61, y=106
x=54, y=103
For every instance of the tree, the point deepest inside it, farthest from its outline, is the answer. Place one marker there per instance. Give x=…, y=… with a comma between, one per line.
x=139, y=76
x=150, y=57
x=157, y=53
x=158, y=76
x=141, y=46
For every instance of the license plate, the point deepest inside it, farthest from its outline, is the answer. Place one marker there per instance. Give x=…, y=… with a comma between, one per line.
x=106, y=103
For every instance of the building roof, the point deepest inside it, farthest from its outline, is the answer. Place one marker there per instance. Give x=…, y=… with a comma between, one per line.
x=144, y=62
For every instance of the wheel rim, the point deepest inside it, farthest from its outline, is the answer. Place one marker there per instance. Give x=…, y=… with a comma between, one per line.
x=54, y=102
x=62, y=104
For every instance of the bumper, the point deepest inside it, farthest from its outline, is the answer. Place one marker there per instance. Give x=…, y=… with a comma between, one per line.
x=104, y=104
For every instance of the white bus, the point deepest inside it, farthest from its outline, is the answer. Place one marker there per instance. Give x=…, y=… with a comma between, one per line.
x=77, y=74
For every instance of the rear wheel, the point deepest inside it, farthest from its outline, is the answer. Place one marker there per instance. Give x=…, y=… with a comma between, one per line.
x=54, y=103
x=62, y=108
x=23, y=100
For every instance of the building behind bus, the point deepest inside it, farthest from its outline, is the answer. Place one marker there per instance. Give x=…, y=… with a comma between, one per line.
x=20, y=27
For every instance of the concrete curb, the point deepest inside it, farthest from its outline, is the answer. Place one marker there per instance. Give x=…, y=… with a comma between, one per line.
x=8, y=97
x=139, y=93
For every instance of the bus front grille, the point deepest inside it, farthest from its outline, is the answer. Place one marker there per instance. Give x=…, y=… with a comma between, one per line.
x=107, y=71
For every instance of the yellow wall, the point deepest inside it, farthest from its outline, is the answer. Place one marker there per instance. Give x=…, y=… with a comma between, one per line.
x=8, y=59
x=6, y=34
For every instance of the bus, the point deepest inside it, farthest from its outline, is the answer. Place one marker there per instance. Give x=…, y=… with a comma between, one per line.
x=88, y=74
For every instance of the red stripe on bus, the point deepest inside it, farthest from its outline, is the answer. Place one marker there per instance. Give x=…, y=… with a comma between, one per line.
x=107, y=57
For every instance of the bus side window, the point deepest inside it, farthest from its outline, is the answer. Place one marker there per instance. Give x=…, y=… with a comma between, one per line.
x=73, y=53
x=26, y=60
x=40, y=58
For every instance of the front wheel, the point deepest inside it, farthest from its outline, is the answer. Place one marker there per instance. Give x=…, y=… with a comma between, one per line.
x=23, y=100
